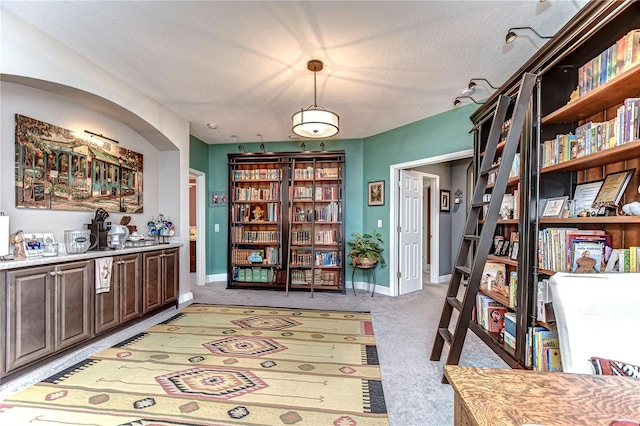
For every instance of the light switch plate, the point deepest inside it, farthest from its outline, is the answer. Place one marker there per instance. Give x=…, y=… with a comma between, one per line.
x=379, y=223
x=216, y=227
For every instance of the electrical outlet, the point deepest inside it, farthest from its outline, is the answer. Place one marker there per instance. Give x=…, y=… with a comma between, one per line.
x=216, y=227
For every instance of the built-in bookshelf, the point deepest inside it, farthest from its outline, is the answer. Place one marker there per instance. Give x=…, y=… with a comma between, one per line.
x=581, y=128
x=286, y=221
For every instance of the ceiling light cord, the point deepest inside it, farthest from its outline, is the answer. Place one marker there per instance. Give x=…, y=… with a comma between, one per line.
x=512, y=36
x=457, y=101
x=472, y=84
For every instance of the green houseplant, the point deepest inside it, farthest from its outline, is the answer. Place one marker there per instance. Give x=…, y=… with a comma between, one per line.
x=366, y=250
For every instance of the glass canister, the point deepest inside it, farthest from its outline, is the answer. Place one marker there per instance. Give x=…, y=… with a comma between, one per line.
x=49, y=247
x=77, y=241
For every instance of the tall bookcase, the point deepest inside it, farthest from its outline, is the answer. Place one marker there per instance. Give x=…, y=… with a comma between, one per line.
x=556, y=112
x=286, y=228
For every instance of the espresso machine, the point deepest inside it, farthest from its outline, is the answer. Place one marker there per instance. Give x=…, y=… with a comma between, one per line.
x=99, y=228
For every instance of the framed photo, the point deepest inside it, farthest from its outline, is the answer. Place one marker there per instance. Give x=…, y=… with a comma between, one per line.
x=218, y=198
x=584, y=196
x=376, y=193
x=613, y=188
x=515, y=245
x=554, y=206
x=445, y=200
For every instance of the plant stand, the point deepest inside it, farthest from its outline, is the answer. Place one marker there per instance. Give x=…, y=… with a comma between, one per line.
x=370, y=276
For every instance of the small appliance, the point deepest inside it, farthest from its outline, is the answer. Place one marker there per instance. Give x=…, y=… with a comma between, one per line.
x=117, y=236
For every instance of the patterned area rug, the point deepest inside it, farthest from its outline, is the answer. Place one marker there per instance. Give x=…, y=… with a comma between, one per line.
x=221, y=365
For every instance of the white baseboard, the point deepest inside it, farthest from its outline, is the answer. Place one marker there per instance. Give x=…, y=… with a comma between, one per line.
x=215, y=278
x=444, y=278
x=185, y=298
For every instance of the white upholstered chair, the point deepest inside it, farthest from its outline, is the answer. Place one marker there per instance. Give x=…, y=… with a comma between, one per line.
x=597, y=315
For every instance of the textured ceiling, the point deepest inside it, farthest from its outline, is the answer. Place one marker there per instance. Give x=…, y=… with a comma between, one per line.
x=242, y=64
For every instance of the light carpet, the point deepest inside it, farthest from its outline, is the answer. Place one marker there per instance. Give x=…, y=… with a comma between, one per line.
x=214, y=364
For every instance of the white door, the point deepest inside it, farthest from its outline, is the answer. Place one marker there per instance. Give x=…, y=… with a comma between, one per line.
x=410, y=237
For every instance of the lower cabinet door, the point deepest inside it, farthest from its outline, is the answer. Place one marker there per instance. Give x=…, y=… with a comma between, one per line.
x=29, y=325
x=74, y=303
x=171, y=272
x=130, y=275
x=152, y=281
x=107, y=314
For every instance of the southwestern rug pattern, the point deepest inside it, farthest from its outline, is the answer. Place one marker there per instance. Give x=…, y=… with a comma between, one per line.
x=221, y=365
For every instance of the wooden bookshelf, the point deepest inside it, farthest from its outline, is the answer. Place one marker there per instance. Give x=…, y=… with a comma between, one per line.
x=608, y=156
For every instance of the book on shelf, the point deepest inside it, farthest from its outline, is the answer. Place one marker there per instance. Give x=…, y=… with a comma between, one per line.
x=543, y=296
x=513, y=289
x=545, y=350
x=495, y=317
x=587, y=256
x=509, y=331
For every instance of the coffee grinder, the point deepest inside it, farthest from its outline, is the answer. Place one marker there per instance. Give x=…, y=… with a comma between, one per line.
x=99, y=228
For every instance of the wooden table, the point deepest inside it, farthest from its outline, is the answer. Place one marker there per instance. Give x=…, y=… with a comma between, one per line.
x=485, y=396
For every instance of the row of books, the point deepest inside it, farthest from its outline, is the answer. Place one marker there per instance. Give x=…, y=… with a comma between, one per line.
x=509, y=330
x=328, y=258
x=301, y=258
x=573, y=250
x=320, y=173
x=615, y=60
x=249, y=213
x=257, y=194
x=320, y=277
x=595, y=137
x=624, y=260
x=321, y=192
x=509, y=207
x=268, y=256
x=253, y=275
x=543, y=349
x=256, y=174
x=240, y=235
x=320, y=237
x=543, y=299
x=489, y=313
x=513, y=172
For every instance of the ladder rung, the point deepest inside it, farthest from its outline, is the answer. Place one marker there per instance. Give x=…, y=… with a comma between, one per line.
x=490, y=170
x=453, y=301
x=464, y=269
x=480, y=204
x=471, y=237
x=446, y=335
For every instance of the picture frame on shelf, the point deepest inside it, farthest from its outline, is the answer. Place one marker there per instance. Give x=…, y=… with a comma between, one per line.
x=513, y=255
x=554, y=206
x=584, y=196
x=612, y=190
x=376, y=193
x=445, y=200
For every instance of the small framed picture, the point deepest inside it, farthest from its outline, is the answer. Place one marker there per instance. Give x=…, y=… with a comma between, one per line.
x=376, y=193
x=445, y=200
x=218, y=198
x=554, y=206
x=505, y=248
x=613, y=188
x=515, y=245
x=584, y=196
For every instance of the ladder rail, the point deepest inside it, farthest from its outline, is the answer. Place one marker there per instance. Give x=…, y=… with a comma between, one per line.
x=485, y=240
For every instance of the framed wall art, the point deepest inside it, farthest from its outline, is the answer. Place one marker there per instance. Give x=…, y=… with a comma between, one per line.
x=376, y=193
x=445, y=200
x=59, y=169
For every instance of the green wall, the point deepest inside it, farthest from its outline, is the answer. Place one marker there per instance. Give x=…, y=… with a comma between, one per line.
x=441, y=134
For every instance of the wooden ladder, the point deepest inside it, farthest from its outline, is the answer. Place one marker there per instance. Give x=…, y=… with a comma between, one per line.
x=484, y=239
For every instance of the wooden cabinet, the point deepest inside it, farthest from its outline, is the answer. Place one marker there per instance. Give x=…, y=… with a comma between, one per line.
x=124, y=300
x=48, y=309
x=160, y=282
x=286, y=228
x=554, y=160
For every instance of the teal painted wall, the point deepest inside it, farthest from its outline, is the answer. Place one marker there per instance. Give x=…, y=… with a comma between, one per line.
x=441, y=134
x=198, y=155
x=437, y=135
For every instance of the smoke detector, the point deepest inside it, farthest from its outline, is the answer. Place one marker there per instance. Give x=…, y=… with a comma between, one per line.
x=212, y=126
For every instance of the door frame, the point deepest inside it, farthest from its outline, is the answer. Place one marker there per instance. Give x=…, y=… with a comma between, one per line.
x=201, y=234
x=394, y=194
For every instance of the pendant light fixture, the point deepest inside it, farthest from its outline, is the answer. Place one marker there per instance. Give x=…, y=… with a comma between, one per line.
x=315, y=121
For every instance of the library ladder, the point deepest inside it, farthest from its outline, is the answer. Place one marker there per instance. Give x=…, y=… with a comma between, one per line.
x=292, y=199
x=484, y=238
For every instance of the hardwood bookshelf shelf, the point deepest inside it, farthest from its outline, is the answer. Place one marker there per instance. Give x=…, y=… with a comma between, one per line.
x=502, y=259
x=611, y=155
x=494, y=341
x=592, y=219
x=626, y=85
x=497, y=297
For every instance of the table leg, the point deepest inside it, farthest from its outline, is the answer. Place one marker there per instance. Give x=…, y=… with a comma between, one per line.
x=353, y=284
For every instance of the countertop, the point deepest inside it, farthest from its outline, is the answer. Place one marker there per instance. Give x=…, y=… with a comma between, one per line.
x=42, y=260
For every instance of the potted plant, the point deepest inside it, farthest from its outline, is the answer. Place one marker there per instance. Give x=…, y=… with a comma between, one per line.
x=366, y=250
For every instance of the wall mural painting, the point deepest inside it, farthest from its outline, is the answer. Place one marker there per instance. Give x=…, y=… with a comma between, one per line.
x=60, y=169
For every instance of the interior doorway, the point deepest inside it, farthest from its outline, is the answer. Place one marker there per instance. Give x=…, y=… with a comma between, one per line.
x=397, y=255
x=197, y=221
